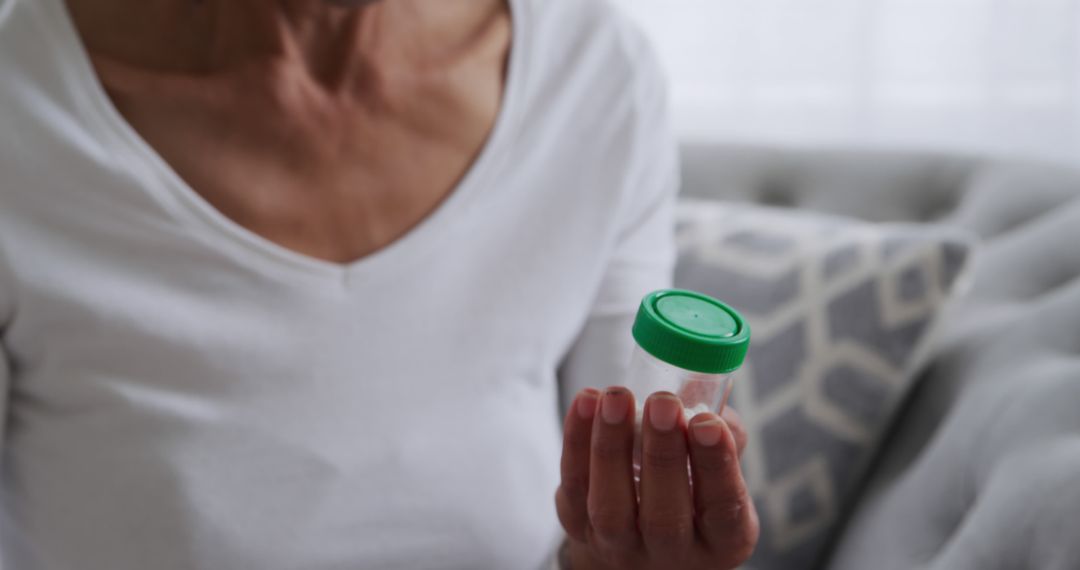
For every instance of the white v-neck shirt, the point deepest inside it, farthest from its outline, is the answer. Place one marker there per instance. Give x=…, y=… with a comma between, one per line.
x=182, y=394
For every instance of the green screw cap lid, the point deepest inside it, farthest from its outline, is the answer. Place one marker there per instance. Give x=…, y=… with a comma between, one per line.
x=692, y=331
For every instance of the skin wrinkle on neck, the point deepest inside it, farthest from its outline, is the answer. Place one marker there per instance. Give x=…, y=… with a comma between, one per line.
x=181, y=36
x=333, y=130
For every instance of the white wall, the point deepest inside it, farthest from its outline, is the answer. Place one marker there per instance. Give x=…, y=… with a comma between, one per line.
x=985, y=76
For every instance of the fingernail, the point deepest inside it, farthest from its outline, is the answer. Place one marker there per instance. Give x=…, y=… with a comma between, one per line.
x=708, y=433
x=614, y=406
x=664, y=412
x=586, y=403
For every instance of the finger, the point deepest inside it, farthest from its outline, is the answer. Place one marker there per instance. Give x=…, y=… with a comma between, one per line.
x=738, y=429
x=612, y=501
x=570, y=499
x=666, y=513
x=725, y=515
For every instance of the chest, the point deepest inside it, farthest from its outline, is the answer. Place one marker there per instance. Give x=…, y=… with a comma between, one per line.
x=331, y=177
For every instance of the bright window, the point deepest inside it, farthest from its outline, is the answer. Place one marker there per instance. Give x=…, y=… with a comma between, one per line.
x=983, y=76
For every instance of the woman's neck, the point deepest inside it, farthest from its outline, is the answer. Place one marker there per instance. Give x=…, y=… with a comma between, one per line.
x=207, y=36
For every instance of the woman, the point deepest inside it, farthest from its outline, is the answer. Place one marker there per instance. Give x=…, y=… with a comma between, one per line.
x=299, y=284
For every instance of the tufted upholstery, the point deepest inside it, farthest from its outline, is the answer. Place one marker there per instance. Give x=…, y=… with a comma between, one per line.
x=982, y=466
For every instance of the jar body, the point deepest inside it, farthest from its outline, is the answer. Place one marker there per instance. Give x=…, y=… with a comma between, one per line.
x=699, y=391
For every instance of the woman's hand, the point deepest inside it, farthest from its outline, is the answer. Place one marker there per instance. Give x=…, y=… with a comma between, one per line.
x=703, y=519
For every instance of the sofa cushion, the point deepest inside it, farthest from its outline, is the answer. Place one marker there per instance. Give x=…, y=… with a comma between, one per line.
x=839, y=311
x=981, y=470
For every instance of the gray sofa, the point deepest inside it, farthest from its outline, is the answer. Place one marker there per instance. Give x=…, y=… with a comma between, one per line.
x=981, y=470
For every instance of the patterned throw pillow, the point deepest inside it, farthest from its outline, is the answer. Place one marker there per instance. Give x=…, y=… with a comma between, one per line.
x=840, y=311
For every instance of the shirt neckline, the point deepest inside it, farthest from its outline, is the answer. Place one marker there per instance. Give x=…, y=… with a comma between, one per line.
x=189, y=205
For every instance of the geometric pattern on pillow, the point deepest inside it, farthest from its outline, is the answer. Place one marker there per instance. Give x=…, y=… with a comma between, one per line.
x=841, y=312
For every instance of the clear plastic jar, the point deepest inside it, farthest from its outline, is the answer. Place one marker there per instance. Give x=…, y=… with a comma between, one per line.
x=690, y=344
